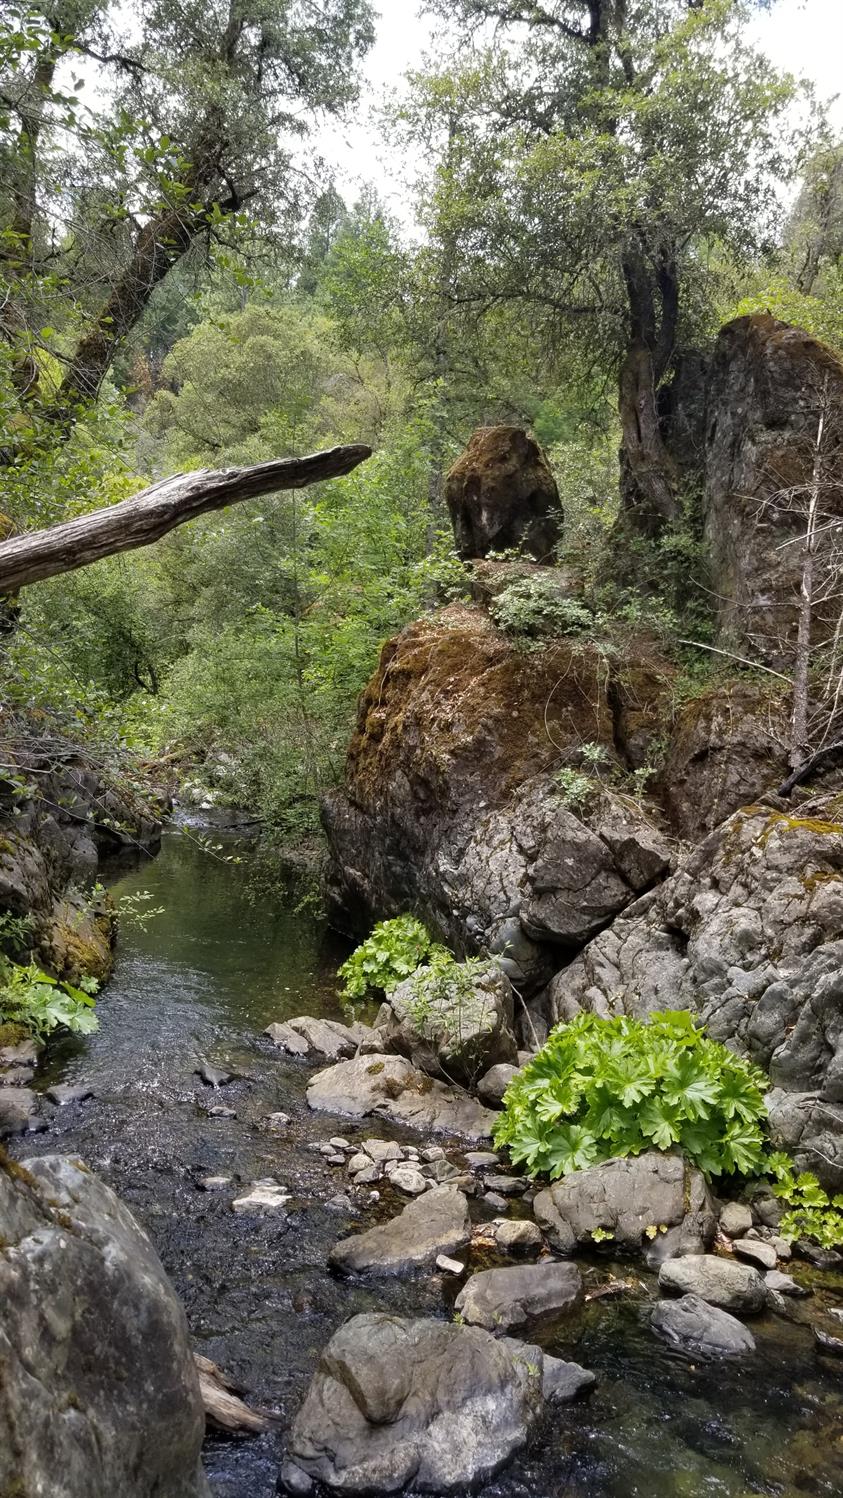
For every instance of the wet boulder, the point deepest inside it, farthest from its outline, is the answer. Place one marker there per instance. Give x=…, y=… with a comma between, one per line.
x=700, y=1330
x=96, y=1369
x=317, y=1039
x=435, y=1224
x=501, y=494
x=520, y=1297
x=633, y=1200
x=720, y=1282
x=454, y=1026
x=398, y=1404
x=390, y=1087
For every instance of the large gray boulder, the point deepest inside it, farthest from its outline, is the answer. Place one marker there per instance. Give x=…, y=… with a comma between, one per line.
x=702, y=1331
x=521, y=1297
x=389, y=1087
x=453, y=1028
x=721, y=1282
x=749, y=936
x=437, y=1223
x=99, y=1394
x=633, y=1199
x=426, y=1405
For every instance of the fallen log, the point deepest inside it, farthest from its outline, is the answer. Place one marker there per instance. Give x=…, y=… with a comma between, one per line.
x=222, y=1406
x=148, y=516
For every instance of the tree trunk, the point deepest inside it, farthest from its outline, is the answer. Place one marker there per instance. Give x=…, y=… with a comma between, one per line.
x=648, y=472
x=148, y=516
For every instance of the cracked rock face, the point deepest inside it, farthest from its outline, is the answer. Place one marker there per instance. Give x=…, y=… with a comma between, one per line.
x=99, y=1394
x=749, y=935
x=426, y=1405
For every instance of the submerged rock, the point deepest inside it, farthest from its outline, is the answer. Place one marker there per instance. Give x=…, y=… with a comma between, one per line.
x=18, y=1106
x=436, y=1224
x=262, y=1196
x=213, y=1076
x=517, y=1298
x=700, y=1329
x=721, y=1282
x=99, y=1393
x=390, y=1087
x=397, y=1404
x=631, y=1199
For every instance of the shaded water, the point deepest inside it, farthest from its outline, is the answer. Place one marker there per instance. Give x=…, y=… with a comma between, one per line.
x=203, y=982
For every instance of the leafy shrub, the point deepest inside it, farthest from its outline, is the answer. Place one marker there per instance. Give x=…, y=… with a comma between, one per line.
x=606, y=1087
x=536, y=608
x=574, y=788
x=813, y=1213
x=31, y=998
x=394, y=950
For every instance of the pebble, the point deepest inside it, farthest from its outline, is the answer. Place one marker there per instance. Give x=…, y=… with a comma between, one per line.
x=366, y=1177
x=335, y=1159
x=517, y=1236
x=326, y=1149
x=497, y=1203
x=340, y=1144
x=736, y=1219
x=409, y=1152
x=783, y=1284
x=756, y=1252
x=340, y=1203
x=506, y=1185
x=433, y=1152
x=782, y=1247
x=359, y=1162
x=449, y=1266
x=277, y=1121
x=381, y=1150
x=482, y=1159
x=214, y=1183
x=219, y=1110
x=405, y=1178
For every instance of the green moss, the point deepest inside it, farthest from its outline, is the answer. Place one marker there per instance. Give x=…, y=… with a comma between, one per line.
x=12, y=1033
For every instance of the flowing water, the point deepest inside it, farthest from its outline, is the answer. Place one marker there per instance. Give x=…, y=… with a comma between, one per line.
x=201, y=983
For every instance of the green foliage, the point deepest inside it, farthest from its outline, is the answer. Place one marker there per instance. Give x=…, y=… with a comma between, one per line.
x=31, y=998
x=16, y=932
x=607, y=1087
x=575, y=789
x=394, y=951
x=535, y=608
x=811, y=1213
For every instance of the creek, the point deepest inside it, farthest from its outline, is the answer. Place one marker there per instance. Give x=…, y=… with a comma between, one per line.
x=201, y=983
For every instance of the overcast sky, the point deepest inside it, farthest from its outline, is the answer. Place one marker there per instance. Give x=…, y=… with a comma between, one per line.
x=801, y=36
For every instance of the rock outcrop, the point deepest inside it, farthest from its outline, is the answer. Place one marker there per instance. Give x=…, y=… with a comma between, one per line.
x=99, y=1393
x=501, y=494
x=749, y=936
x=398, y=1404
x=768, y=384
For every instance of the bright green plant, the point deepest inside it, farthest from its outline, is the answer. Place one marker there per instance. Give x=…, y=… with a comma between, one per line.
x=535, y=608
x=575, y=789
x=812, y=1212
x=30, y=997
x=394, y=950
x=606, y=1087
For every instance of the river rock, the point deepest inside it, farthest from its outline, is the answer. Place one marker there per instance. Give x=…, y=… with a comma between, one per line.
x=516, y=1298
x=17, y=1109
x=736, y=1219
x=506, y=1185
x=515, y=1236
x=626, y=1197
x=262, y=1196
x=784, y=1284
x=404, y=1177
x=390, y=1087
x=213, y=1076
x=436, y=1224
x=99, y=1394
x=721, y=1282
x=747, y=936
x=381, y=1150
x=319, y=1038
x=494, y=1082
x=65, y=1093
x=398, y=1404
x=701, y=1330
x=483, y=1159
x=501, y=494
x=450, y=1266
x=762, y=1255
x=456, y=1032
x=562, y=1382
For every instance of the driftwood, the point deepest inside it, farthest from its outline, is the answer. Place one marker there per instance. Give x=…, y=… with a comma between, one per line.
x=222, y=1406
x=148, y=516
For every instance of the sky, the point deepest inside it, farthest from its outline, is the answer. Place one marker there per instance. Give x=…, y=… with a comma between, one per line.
x=804, y=37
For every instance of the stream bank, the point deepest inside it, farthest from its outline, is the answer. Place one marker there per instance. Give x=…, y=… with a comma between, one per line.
x=201, y=984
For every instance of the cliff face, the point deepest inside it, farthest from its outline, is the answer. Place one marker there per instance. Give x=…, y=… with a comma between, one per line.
x=60, y=815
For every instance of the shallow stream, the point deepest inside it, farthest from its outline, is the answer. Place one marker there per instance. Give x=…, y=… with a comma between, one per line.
x=201, y=983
